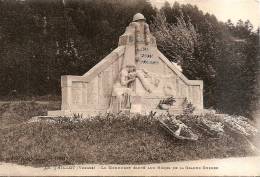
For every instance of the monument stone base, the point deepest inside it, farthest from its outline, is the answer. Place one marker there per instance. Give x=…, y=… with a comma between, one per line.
x=134, y=78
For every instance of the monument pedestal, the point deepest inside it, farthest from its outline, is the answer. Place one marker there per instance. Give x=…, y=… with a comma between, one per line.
x=136, y=77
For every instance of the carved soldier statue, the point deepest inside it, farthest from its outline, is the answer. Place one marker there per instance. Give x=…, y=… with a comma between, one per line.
x=141, y=29
x=137, y=35
x=122, y=89
x=142, y=32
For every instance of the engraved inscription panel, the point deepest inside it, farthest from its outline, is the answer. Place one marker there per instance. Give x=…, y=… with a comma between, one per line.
x=145, y=56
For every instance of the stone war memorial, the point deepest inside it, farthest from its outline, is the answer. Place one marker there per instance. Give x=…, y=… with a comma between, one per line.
x=134, y=78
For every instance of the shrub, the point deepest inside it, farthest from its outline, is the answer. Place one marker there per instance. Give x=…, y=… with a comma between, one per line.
x=111, y=138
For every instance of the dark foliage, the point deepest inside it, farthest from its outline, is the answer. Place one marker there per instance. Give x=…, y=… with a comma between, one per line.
x=42, y=40
x=223, y=55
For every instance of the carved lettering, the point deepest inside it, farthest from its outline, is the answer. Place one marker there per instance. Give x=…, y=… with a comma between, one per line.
x=143, y=55
x=142, y=49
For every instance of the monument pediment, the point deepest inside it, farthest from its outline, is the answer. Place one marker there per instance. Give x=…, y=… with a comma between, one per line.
x=136, y=77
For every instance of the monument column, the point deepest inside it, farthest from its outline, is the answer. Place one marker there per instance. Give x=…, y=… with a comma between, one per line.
x=66, y=86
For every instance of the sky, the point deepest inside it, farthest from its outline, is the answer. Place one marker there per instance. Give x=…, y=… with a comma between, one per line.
x=224, y=9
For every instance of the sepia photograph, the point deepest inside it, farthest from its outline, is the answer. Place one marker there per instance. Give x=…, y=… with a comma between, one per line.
x=129, y=87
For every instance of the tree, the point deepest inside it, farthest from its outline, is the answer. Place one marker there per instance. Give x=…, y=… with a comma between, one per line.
x=223, y=55
x=176, y=41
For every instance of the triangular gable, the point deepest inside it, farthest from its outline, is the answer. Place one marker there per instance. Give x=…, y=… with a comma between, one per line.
x=178, y=73
x=103, y=64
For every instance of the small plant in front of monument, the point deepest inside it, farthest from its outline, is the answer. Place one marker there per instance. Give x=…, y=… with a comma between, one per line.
x=166, y=103
x=188, y=107
x=77, y=117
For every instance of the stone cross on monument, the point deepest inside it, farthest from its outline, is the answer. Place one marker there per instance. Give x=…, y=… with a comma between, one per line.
x=136, y=78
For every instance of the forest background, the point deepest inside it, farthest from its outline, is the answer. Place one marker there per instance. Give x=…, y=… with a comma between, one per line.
x=42, y=40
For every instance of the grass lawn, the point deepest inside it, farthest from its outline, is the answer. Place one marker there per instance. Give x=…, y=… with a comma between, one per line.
x=109, y=139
